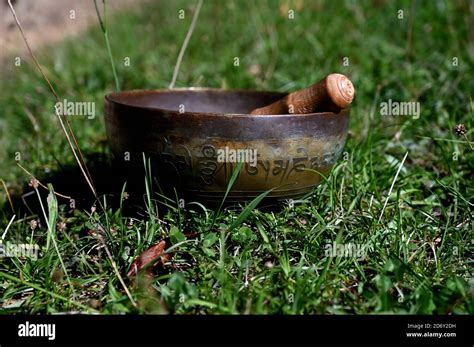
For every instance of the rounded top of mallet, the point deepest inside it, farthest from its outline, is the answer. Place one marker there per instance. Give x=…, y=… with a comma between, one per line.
x=340, y=89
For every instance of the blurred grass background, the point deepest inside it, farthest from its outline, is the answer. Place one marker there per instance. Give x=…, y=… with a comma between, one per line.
x=428, y=255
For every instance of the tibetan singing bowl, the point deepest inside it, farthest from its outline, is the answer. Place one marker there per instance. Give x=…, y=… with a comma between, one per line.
x=195, y=138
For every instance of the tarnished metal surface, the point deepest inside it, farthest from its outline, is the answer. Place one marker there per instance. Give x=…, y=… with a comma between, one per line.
x=185, y=132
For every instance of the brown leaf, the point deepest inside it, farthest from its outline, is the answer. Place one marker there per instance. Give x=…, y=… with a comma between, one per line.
x=58, y=275
x=147, y=256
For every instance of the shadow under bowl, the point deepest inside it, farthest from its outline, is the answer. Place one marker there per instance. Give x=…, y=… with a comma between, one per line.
x=195, y=138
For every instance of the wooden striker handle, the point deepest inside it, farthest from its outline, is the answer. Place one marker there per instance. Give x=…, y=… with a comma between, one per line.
x=332, y=94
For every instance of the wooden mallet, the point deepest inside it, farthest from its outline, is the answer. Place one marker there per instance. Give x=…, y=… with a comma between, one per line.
x=332, y=94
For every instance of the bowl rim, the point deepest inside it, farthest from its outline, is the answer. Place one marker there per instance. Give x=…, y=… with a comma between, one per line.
x=113, y=98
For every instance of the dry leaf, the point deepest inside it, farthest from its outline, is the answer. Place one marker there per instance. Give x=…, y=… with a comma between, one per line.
x=147, y=256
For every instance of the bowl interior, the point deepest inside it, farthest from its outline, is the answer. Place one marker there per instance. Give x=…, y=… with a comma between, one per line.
x=197, y=100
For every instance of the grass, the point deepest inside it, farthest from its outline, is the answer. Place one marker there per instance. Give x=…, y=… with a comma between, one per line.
x=419, y=238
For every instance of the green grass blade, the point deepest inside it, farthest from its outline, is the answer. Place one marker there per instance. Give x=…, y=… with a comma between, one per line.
x=54, y=295
x=232, y=180
x=249, y=208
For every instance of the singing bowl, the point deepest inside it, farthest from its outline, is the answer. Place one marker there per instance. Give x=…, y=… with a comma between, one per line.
x=183, y=131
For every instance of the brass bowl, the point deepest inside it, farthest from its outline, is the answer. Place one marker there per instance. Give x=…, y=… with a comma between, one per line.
x=186, y=132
